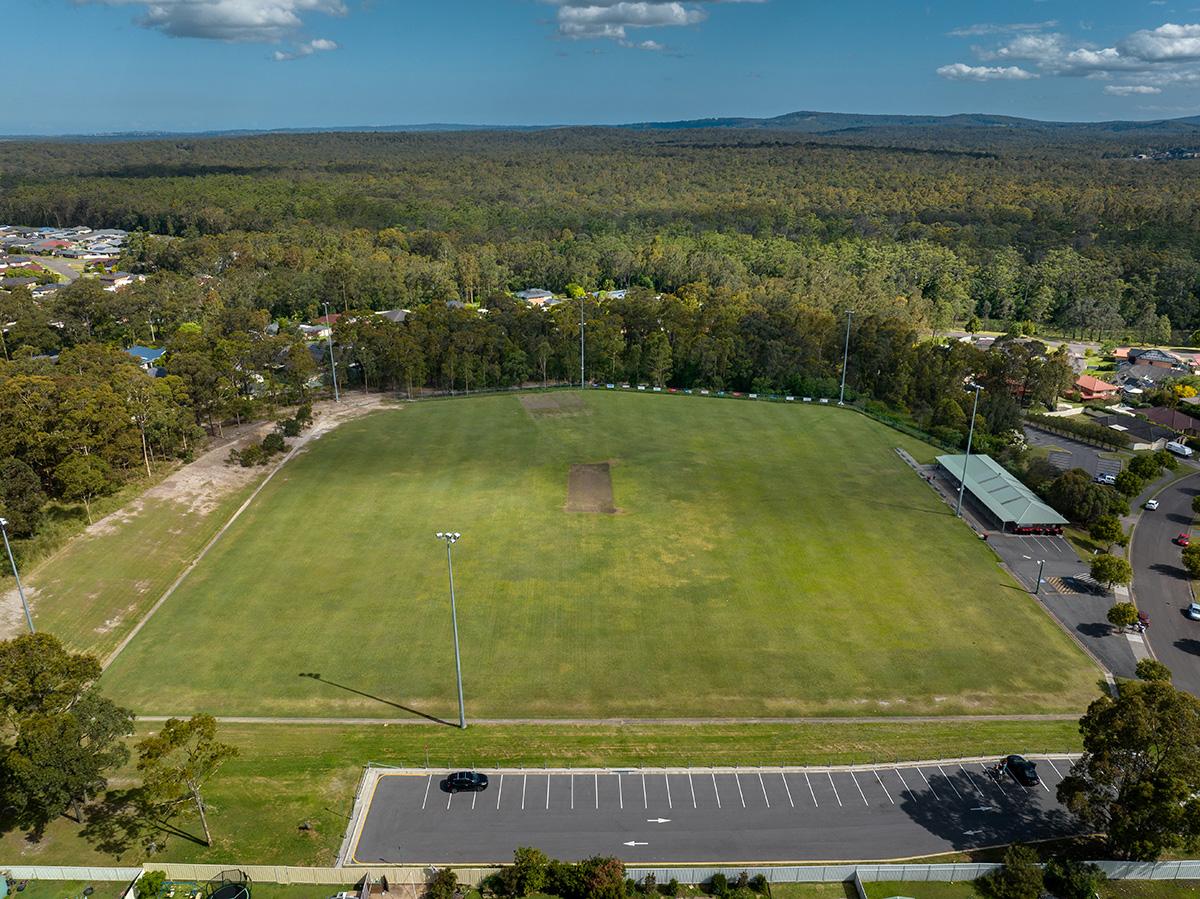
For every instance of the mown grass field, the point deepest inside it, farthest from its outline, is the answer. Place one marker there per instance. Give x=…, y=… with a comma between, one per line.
x=766, y=560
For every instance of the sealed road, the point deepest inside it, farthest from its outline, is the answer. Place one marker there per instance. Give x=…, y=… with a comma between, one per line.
x=707, y=815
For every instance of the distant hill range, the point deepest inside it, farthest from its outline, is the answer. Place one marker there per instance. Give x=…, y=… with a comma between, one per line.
x=843, y=122
x=810, y=123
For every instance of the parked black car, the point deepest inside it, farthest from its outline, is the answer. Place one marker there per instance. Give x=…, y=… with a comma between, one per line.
x=465, y=782
x=1022, y=770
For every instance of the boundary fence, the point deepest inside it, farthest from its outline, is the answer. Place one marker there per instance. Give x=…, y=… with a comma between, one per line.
x=413, y=875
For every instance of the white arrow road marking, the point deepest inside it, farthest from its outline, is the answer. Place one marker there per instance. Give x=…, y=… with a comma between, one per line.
x=658, y=820
x=635, y=843
x=972, y=833
x=985, y=808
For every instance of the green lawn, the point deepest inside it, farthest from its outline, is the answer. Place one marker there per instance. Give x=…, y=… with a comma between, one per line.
x=286, y=775
x=766, y=560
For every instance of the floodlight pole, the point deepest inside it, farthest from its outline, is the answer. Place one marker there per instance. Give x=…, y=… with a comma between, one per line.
x=845, y=359
x=962, y=482
x=582, y=385
x=451, y=538
x=332, y=361
x=1038, y=588
x=16, y=574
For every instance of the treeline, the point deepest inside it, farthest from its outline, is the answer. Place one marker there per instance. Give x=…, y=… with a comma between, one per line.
x=1053, y=235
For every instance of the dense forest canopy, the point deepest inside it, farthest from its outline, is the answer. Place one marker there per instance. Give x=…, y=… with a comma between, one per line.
x=742, y=253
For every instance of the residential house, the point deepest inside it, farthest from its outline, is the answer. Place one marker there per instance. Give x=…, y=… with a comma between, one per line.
x=1155, y=357
x=114, y=281
x=1091, y=388
x=1130, y=374
x=316, y=332
x=12, y=283
x=146, y=357
x=1146, y=435
x=1175, y=420
x=394, y=315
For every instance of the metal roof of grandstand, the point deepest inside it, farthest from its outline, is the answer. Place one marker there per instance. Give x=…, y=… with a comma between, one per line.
x=1003, y=495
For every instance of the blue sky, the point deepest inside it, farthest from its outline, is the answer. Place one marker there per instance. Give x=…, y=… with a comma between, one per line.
x=116, y=65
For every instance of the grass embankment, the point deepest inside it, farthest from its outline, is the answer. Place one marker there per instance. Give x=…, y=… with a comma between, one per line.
x=99, y=586
x=766, y=560
x=288, y=775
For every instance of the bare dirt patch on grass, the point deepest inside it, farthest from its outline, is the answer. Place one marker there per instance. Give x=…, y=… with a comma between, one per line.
x=539, y=405
x=589, y=489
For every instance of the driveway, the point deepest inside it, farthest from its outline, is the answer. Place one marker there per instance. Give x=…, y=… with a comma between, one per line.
x=706, y=815
x=1161, y=585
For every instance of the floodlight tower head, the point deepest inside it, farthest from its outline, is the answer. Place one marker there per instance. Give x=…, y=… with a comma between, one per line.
x=3, y=522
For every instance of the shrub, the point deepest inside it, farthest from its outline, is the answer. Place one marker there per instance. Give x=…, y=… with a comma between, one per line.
x=670, y=888
x=273, y=444
x=1020, y=878
x=289, y=427
x=647, y=885
x=759, y=884
x=443, y=884
x=149, y=884
x=530, y=870
x=1153, y=670
x=718, y=885
x=1123, y=614
x=1070, y=879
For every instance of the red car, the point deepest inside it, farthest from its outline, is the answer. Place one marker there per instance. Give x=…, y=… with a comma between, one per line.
x=1183, y=540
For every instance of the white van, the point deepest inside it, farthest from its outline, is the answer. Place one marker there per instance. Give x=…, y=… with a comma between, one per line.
x=1180, y=450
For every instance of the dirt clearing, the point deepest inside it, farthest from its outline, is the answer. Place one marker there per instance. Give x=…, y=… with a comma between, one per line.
x=541, y=404
x=589, y=489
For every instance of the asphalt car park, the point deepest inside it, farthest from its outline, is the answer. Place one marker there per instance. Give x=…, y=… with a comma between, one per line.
x=1065, y=453
x=707, y=814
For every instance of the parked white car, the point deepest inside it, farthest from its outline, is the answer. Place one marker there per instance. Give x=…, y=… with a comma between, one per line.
x=1151, y=505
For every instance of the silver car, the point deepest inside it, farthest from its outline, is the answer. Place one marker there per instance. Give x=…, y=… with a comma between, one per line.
x=1193, y=611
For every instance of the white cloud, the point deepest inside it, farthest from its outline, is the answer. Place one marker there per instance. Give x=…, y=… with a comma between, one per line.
x=612, y=19
x=985, y=28
x=1168, y=54
x=960, y=71
x=318, y=45
x=1131, y=90
x=239, y=21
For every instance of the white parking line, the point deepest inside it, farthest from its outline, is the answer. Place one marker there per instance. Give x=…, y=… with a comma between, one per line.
x=810, y=791
x=835, y=792
x=715, y=790
x=995, y=780
x=885, y=789
x=668, y=780
x=620, y=791
x=524, y=781
x=905, y=782
x=426, y=799
x=860, y=792
x=572, y=791
x=949, y=781
x=596, y=787
x=645, y=801
x=928, y=784
x=473, y=795
x=783, y=777
x=762, y=784
x=741, y=795
x=971, y=779
x=692, y=787
x=448, y=798
x=1050, y=762
x=500, y=792
x=547, y=792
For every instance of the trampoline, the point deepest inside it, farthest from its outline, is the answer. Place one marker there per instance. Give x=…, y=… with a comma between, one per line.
x=228, y=885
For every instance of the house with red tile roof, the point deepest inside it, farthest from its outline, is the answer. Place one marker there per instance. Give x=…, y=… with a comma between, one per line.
x=1091, y=388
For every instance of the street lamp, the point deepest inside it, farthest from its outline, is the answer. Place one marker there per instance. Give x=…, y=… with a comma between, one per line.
x=16, y=574
x=1038, y=588
x=451, y=538
x=845, y=359
x=962, y=482
x=332, y=360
